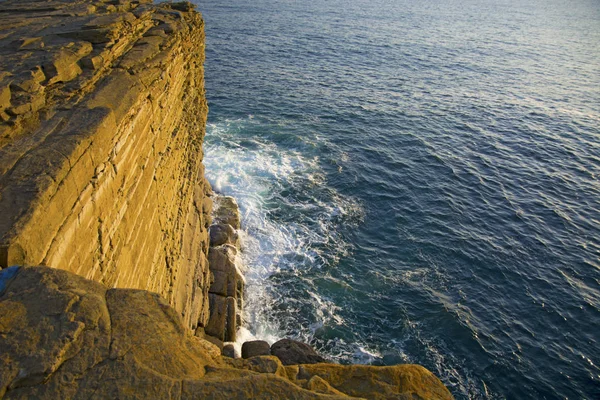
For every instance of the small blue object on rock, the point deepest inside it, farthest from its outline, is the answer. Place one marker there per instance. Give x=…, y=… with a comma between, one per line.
x=6, y=275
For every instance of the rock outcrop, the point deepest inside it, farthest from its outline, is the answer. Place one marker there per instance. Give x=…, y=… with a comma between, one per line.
x=63, y=336
x=292, y=352
x=255, y=348
x=226, y=290
x=102, y=116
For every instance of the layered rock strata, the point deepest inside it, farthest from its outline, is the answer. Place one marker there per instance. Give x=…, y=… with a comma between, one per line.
x=63, y=336
x=102, y=115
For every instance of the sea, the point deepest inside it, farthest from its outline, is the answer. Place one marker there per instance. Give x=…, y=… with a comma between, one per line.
x=419, y=182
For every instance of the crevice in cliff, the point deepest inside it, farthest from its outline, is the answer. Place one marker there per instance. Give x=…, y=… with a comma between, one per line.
x=101, y=257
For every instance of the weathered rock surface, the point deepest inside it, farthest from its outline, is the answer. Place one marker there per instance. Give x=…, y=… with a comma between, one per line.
x=227, y=285
x=102, y=116
x=222, y=234
x=227, y=211
x=363, y=381
x=255, y=348
x=229, y=351
x=217, y=323
x=292, y=352
x=63, y=336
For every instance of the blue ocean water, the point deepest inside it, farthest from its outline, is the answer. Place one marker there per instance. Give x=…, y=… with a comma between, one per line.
x=419, y=182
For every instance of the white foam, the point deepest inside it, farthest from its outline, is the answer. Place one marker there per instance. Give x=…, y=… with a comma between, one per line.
x=259, y=175
x=366, y=355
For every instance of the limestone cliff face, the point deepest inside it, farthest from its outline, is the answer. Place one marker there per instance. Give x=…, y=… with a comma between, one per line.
x=102, y=112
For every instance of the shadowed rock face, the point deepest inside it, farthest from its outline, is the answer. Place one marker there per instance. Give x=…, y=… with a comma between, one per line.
x=63, y=336
x=102, y=116
x=255, y=348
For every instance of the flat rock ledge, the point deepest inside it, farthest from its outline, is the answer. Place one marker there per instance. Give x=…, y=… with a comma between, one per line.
x=63, y=336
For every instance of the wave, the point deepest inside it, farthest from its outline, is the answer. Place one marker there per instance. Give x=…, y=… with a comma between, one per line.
x=289, y=222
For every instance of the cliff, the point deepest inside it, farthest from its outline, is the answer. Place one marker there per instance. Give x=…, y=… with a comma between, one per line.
x=101, y=172
x=102, y=118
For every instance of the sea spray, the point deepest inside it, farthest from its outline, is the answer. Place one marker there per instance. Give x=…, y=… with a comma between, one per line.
x=290, y=219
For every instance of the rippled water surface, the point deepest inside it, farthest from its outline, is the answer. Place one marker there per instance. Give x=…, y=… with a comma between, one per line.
x=419, y=182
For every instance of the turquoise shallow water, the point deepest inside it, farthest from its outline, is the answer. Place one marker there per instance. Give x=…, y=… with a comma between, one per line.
x=419, y=182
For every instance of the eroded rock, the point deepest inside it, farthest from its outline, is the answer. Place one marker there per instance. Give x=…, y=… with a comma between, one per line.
x=222, y=234
x=227, y=285
x=292, y=352
x=226, y=211
x=255, y=348
x=50, y=319
x=363, y=381
x=229, y=351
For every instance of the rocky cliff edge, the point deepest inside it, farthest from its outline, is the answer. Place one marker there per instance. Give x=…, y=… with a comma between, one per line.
x=102, y=117
x=63, y=336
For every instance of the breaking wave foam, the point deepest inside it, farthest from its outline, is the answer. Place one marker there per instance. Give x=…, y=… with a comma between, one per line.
x=289, y=222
